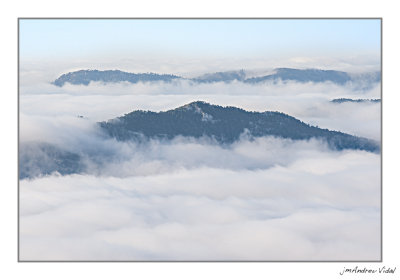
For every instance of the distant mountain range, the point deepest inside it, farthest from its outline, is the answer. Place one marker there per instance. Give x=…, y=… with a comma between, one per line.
x=225, y=125
x=84, y=77
x=349, y=100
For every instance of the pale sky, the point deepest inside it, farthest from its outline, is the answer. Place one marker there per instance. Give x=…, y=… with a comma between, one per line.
x=75, y=39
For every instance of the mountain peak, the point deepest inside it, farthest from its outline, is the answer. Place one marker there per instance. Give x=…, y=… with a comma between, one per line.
x=195, y=104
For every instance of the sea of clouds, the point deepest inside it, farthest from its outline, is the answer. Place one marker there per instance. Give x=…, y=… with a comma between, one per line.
x=192, y=199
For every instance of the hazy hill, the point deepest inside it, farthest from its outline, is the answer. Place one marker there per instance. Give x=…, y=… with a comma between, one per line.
x=84, y=77
x=227, y=76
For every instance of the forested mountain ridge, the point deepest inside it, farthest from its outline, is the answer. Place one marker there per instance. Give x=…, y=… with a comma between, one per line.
x=225, y=125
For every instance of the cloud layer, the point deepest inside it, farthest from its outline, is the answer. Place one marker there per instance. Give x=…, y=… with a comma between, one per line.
x=325, y=206
x=191, y=199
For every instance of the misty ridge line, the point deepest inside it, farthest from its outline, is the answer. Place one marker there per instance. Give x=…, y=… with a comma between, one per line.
x=84, y=77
